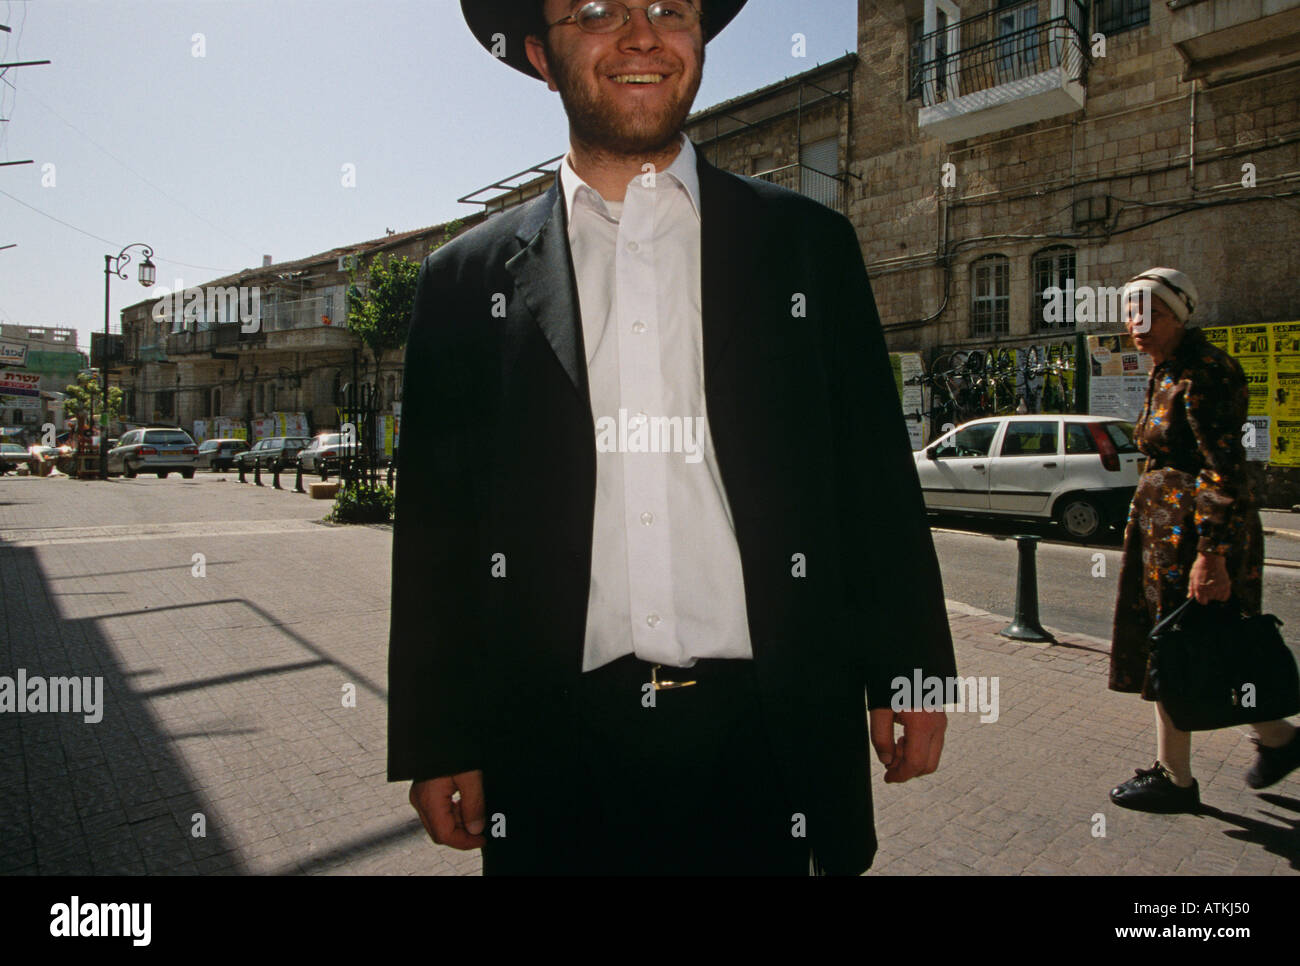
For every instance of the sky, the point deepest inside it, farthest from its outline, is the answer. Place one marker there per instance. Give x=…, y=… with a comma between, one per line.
x=217, y=131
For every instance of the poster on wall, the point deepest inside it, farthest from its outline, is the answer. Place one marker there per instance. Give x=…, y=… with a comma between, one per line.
x=1284, y=395
x=1249, y=345
x=907, y=367
x=1118, y=383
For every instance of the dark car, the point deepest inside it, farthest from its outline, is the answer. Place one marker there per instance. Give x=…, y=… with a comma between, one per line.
x=219, y=454
x=273, y=453
x=156, y=449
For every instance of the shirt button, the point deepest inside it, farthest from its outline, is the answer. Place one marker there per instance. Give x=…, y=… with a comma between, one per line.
x=653, y=620
x=647, y=518
x=638, y=327
x=633, y=247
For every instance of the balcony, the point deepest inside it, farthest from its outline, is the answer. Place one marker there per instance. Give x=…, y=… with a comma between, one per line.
x=817, y=185
x=1221, y=40
x=1010, y=66
x=216, y=339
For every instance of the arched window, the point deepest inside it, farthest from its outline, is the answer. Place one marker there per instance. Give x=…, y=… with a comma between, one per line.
x=1052, y=267
x=259, y=399
x=990, y=304
x=216, y=401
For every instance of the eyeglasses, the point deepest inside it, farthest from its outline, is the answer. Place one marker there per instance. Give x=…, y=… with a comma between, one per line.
x=606, y=16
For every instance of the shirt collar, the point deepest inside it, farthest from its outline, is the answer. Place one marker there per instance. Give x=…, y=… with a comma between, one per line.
x=683, y=170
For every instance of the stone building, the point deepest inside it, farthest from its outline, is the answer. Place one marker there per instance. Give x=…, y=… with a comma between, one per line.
x=999, y=148
x=265, y=341
x=43, y=360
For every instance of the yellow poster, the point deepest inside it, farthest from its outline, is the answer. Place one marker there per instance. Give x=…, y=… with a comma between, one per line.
x=1217, y=336
x=1284, y=395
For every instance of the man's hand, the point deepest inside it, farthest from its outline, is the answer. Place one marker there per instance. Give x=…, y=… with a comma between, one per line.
x=1209, y=578
x=458, y=824
x=917, y=751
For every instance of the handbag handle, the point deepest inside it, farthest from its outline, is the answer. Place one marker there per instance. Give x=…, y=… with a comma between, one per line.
x=1171, y=619
x=1177, y=614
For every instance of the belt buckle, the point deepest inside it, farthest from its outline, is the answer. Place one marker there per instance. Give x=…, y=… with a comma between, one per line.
x=665, y=685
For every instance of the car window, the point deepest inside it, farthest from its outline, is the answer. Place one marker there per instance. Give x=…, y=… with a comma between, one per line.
x=970, y=441
x=1121, y=435
x=168, y=437
x=1078, y=439
x=207, y=446
x=1030, y=438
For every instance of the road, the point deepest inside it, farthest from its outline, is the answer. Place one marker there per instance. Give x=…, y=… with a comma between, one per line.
x=1076, y=589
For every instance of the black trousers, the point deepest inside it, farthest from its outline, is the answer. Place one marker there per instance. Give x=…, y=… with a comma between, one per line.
x=678, y=781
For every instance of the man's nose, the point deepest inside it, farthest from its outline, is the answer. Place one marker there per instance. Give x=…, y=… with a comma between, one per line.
x=639, y=32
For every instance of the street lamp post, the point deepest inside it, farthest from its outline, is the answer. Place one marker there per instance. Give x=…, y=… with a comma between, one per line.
x=117, y=266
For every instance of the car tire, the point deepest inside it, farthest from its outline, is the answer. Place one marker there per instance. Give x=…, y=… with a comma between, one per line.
x=128, y=471
x=1080, y=517
x=187, y=474
x=161, y=474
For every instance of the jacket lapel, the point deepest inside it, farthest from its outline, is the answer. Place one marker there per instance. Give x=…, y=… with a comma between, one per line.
x=544, y=280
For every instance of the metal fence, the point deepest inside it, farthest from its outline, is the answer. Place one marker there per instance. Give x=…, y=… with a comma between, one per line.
x=999, y=47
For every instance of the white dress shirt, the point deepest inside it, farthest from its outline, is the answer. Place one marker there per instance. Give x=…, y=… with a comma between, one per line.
x=666, y=582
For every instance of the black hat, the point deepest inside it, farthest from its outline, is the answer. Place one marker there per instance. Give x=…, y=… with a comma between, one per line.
x=501, y=25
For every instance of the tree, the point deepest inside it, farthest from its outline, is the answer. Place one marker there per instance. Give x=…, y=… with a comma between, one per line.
x=380, y=313
x=85, y=396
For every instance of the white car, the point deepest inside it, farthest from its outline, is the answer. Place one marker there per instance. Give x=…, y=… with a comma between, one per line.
x=1078, y=470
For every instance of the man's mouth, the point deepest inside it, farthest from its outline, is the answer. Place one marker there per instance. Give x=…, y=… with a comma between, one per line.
x=638, y=78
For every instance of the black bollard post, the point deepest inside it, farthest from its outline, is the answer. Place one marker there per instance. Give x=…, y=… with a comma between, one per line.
x=242, y=470
x=257, y=473
x=297, y=483
x=1025, y=626
x=275, y=476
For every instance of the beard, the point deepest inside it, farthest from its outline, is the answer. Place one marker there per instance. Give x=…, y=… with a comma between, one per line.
x=604, y=126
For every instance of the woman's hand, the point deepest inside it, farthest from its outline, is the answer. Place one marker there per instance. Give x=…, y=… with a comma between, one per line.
x=1209, y=578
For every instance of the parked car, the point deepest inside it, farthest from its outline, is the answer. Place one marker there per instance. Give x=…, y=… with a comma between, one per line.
x=323, y=454
x=12, y=456
x=272, y=453
x=155, y=449
x=1078, y=470
x=219, y=454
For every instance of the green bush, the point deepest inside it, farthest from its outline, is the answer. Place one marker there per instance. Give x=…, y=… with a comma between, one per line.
x=363, y=504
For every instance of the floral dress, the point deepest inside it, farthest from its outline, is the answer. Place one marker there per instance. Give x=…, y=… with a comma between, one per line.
x=1193, y=497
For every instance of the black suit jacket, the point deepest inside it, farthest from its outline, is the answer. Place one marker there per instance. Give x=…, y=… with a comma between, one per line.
x=499, y=469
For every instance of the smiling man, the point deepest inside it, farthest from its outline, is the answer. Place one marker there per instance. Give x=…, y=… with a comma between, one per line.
x=646, y=650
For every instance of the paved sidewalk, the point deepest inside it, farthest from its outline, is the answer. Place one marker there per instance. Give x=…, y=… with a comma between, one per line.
x=224, y=698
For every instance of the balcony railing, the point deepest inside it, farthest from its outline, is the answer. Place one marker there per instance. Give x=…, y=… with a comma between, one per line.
x=817, y=185
x=1001, y=47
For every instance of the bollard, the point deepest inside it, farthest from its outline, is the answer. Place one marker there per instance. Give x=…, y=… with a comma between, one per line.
x=297, y=483
x=391, y=464
x=257, y=473
x=275, y=476
x=1025, y=626
x=242, y=470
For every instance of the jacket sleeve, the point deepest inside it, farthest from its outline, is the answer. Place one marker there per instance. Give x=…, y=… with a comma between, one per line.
x=894, y=591
x=434, y=677
x=1216, y=401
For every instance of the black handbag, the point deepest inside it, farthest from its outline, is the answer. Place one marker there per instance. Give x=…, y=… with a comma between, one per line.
x=1211, y=667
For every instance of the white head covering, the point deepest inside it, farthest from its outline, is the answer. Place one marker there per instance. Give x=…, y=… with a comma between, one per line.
x=1171, y=286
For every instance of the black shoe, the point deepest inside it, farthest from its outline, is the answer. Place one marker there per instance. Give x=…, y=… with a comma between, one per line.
x=1274, y=764
x=1152, y=790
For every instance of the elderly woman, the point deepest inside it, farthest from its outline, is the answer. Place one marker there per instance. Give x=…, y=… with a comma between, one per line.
x=1193, y=529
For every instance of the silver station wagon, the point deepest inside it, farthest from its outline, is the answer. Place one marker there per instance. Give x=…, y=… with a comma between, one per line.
x=1078, y=470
